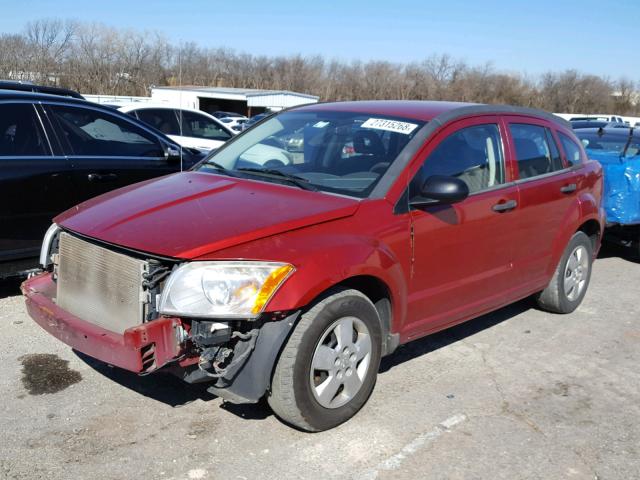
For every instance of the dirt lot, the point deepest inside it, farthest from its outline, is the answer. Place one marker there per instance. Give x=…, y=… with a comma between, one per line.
x=516, y=394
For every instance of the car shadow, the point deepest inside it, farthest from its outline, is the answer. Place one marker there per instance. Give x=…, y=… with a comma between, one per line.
x=10, y=287
x=249, y=411
x=444, y=338
x=613, y=250
x=160, y=386
x=171, y=390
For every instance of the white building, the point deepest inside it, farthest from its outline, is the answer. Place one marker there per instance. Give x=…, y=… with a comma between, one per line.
x=245, y=101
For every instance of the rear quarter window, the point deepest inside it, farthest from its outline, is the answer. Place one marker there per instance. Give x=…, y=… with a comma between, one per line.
x=571, y=149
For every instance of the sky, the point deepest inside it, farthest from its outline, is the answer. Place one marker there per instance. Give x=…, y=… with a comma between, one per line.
x=528, y=37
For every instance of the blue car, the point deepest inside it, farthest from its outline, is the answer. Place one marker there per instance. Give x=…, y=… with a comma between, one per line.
x=618, y=150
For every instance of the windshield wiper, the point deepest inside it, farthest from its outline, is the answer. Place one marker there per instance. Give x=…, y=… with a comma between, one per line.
x=272, y=172
x=626, y=145
x=220, y=168
x=216, y=165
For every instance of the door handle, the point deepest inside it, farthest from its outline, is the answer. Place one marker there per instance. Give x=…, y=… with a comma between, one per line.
x=102, y=177
x=504, y=206
x=572, y=187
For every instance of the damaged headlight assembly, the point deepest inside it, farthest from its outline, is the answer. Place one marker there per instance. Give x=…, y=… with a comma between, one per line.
x=222, y=289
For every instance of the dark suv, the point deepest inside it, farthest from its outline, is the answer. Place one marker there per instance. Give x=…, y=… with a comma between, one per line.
x=57, y=151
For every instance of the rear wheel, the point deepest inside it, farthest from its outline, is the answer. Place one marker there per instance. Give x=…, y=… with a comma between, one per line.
x=571, y=278
x=329, y=365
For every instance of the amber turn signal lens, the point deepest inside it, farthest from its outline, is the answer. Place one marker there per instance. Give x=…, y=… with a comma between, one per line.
x=270, y=285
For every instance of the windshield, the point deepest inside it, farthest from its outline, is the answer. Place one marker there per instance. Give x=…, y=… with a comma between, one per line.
x=610, y=142
x=340, y=152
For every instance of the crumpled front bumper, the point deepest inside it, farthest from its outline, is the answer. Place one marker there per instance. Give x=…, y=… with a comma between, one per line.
x=139, y=349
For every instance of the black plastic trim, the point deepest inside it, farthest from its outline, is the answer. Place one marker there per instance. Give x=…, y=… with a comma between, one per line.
x=254, y=378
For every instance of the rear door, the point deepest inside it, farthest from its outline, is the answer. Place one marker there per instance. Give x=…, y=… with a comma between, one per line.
x=547, y=187
x=107, y=151
x=463, y=252
x=35, y=180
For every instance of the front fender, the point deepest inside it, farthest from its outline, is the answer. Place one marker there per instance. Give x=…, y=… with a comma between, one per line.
x=342, y=258
x=374, y=243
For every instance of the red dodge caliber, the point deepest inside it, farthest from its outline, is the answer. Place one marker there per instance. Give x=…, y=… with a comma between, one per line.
x=388, y=221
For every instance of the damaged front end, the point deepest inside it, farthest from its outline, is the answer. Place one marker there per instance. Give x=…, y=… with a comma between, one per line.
x=236, y=357
x=203, y=321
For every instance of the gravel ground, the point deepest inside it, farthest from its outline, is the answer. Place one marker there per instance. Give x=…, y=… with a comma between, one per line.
x=515, y=394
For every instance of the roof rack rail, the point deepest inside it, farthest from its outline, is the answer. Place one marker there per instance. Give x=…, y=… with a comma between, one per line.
x=26, y=86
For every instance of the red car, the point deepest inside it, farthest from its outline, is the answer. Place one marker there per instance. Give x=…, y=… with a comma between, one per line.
x=292, y=281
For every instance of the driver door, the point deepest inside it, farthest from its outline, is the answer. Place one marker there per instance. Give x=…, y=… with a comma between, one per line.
x=463, y=252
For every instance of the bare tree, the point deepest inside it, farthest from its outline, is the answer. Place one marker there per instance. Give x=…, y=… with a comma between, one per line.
x=47, y=40
x=94, y=58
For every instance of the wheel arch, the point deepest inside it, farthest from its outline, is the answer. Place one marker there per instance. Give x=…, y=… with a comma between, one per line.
x=582, y=216
x=367, y=266
x=381, y=295
x=593, y=230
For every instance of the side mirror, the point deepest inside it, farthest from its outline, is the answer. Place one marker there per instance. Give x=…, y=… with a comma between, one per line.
x=173, y=153
x=439, y=189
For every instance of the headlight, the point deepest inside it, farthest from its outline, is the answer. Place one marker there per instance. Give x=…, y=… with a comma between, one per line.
x=222, y=289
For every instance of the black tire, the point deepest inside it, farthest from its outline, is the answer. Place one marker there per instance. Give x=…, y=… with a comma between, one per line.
x=291, y=397
x=554, y=298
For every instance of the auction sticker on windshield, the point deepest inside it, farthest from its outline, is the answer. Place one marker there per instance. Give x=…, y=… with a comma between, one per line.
x=390, y=125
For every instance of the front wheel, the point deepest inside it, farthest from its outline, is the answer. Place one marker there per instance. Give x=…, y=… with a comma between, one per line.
x=571, y=278
x=329, y=365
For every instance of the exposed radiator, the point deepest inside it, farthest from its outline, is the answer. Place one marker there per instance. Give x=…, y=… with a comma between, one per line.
x=100, y=286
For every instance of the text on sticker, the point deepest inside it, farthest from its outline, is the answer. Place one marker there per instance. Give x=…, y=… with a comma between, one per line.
x=390, y=125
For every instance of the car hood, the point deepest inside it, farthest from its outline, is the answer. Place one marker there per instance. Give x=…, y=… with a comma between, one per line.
x=191, y=214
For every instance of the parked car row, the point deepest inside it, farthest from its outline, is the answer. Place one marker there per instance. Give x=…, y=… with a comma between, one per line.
x=57, y=151
x=188, y=127
x=290, y=280
x=234, y=121
x=604, y=118
x=593, y=123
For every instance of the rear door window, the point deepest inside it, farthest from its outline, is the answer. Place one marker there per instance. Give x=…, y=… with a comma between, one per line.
x=473, y=154
x=536, y=150
x=21, y=132
x=199, y=126
x=163, y=119
x=571, y=149
x=92, y=132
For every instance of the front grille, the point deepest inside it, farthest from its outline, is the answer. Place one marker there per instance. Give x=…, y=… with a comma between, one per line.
x=100, y=286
